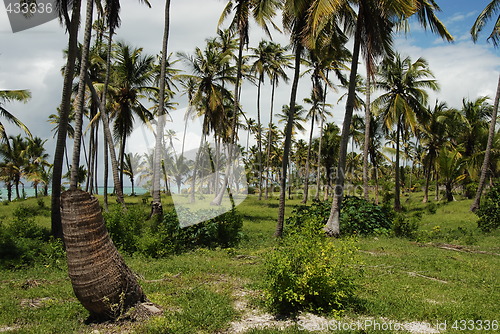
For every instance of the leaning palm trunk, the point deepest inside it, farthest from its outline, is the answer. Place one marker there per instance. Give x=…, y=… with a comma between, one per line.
x=489, y=145
x=332, y=227
x=101, y=280
x=156, y=207
x=69, y=71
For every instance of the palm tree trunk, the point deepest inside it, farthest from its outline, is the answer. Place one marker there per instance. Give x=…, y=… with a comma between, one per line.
x=196, y=163
x=487, y=153
x=367, y=135
x=427, y=181
x=437, y=186
x=63, y=120
x=234, y=124
x=397, y=194
x=259, y=136
x=288, y=143
x=101, y=280
x=306, y=184
x=332, y=227
x=318, y=172
x=80, y=99
x=269, y=140
x=107, y=131
x=106, y=174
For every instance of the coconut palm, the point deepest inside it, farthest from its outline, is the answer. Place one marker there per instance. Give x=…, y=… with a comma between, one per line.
x=451, y=169
x=263, y=12
x=211, y=71
x=489, y=12
x=100, y=278
x=132, y=162
x=317, y=113
x=403, y=102
x=373, y=27
x=71, y=25
x=9, y=96
x=276, y=71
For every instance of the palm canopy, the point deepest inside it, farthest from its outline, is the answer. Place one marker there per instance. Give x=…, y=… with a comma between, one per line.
x=210, y=70
x=405, y=84
x=10, y=96
x=489, y=12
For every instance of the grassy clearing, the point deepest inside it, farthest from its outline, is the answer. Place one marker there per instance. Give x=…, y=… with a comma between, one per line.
x=448, y=273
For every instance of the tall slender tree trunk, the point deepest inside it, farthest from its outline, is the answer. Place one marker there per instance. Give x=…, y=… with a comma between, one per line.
x=270, y=139
x=318, y=172
x=306, y=184
x=397, y=191
x=427, y=181
x=332, y=227
x=69, y=71
x=487, y=154
x=106, y=173
x=366, y=146
x=80, y=99
x=107, y=130
x=234, y=123
x=259, y=135
x=288, y=143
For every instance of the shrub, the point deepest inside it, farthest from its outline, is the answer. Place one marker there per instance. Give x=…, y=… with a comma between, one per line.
x=23, y=243
x=167, y=236
x=357, y=216
x=310, y=272
x=405, y=227
x=125, y=227
x=489, y=211
x=160, y=237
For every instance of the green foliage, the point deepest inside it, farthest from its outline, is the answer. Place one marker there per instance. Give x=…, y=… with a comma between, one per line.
x=125, y=227
x=160, y=237
x=357, y=217
x=405, y=227
x=489, y=211
x=23, y=243
x=432, y=208
x=310, y=272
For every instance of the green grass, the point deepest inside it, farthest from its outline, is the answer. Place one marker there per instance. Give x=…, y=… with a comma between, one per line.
x=427, y=279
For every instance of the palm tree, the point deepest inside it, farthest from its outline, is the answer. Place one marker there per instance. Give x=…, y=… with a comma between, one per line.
x=156, y=207
x=295, y=22
x=84, y=59
x=450, y=163
x=263, y=61
x=71, y=26
x=490, y=11
x=132, y=162
x=316, y=113
x=403, y=103
x=276, y=71
x=8, y=96
x=373, y=28
x=211, y=71
x=88, y=246
x=36, y=162
x=262, y=11
x=132, y=81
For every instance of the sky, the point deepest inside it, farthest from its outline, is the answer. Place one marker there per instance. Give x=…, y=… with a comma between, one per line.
x=32, y=59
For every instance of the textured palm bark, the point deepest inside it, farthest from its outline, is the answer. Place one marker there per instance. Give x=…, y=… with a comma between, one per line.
x=101, y=280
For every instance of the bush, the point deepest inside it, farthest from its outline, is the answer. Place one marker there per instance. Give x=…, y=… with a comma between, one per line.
x=359, y=216
x=310, y=272
x=160, y=237
x=167, y=236
x=489, y=211
x=125, y=227
x=405, y=227
x=356, y=217
x=23, y=243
